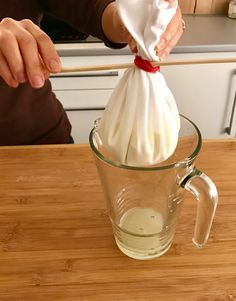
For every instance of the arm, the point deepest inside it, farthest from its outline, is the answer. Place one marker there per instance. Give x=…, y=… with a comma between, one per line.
x=28, y=54
x=85, y=15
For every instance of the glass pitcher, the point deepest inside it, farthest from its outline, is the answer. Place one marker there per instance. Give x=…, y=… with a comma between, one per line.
x=144, y=203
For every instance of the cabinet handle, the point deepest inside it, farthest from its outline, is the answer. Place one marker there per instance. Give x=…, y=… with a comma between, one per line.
x=84, y=109
x=106, y=74
x=229, y=128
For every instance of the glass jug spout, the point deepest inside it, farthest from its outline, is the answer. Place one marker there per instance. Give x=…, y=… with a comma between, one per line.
x=206, y=193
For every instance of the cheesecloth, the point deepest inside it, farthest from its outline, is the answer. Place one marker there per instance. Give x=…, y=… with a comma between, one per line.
x=141, y=122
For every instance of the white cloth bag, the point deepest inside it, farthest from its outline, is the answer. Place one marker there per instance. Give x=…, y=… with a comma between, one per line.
x=140, y=124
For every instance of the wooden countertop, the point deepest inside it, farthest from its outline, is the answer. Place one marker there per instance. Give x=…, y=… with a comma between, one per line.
x=56, y=241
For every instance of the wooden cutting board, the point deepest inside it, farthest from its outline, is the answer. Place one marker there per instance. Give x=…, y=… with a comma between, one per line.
x=56, y=242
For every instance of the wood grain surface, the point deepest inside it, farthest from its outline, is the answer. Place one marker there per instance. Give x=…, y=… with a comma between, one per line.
x=204, y=6
x=212, y=6
x=187, y=7
x=56, y=241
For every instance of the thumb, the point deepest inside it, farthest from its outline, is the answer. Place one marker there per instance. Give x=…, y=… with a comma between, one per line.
x=132, y=44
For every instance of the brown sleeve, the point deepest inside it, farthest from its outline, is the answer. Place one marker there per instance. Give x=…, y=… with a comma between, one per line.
x=85, y=15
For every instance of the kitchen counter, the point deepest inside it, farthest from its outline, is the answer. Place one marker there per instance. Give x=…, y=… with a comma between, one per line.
x=56, y=241
x=204, y=33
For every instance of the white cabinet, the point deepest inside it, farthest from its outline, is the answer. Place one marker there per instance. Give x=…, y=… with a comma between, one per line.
x=82, y=123
x=85, y=95
x=205, y=93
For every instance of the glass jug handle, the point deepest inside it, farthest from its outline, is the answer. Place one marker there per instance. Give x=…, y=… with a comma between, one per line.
x=206, y=193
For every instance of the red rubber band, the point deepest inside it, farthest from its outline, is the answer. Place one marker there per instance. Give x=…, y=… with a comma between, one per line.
x=145, y=65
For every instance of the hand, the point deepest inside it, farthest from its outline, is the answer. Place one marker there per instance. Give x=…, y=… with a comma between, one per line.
x=116, y=32
x=171, y=36
x=26, y=53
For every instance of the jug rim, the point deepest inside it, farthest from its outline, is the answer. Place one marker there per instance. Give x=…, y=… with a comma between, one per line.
x=190, y=158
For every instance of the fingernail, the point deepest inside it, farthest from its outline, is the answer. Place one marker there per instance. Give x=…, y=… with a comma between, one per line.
x=54, y=66
x=13, y=84
x=21, y=78
x=38, y=81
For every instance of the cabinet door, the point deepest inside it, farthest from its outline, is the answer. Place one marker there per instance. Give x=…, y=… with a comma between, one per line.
x=205, y=93
x=87, y=90
x=81, y=91
x=85, y=95
x=82, y=123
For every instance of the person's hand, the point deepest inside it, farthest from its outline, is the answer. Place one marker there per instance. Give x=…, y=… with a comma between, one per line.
x=171, y=36
x=116, y=32
x=26, y=53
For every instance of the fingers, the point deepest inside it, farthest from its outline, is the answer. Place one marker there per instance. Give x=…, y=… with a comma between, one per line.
x=45, y=46
x=12, y=67
x=30, y=55
x=6, y=74
x=171, y=43
x=171, y=36
x=26, y=53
